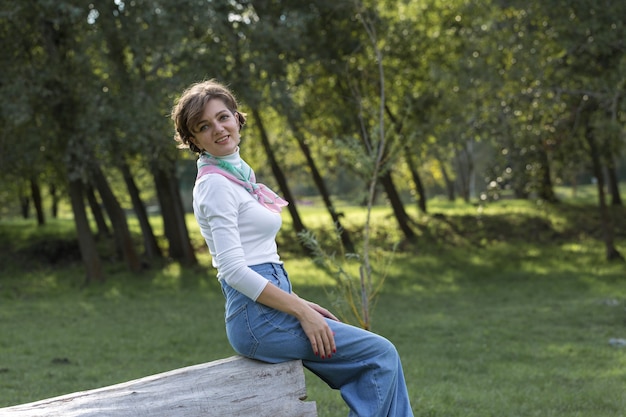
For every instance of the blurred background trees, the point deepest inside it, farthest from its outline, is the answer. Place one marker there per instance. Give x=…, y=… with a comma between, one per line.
x=483, y=99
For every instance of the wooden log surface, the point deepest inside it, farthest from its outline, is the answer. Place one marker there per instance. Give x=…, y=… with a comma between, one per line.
x=235, y=386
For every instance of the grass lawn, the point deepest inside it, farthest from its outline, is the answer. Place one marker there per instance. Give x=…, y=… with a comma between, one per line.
x=487, y=322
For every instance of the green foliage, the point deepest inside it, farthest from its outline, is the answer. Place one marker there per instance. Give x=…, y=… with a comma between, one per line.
x=353, y=295
x=490, y=92
x=495, y=95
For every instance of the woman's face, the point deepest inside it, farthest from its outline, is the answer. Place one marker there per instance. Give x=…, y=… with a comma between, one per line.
x=217, y=132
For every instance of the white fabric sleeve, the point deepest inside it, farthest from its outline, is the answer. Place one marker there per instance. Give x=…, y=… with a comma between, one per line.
x=218, y=202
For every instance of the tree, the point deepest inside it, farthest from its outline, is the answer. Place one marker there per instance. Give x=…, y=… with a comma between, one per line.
x=277, y=22
x=373, y=161
x=63, y=54
x=474, y=91
x=152, y=251
x=136, y=70
x=590, y=68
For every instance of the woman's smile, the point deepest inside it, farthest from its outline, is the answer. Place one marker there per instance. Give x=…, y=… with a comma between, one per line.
x=217, y=132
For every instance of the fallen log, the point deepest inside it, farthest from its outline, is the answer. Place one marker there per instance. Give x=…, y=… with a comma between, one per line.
x=235, y=386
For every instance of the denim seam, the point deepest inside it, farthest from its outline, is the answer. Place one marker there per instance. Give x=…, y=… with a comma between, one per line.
x=280, y=328
x=255, y=345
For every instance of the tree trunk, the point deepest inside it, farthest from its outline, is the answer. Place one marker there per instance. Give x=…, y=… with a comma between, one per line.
x=98, y=215
x=613, y=182
x=174, y=224
x=607, y=224
x=86, y=241
x=54, y=208
x=24, y=204
x=396, y=204
x=278, y=174
x=234, y=386
x=344, y=235
x=66, y=111
x=151, y=247
x=417, y=180
x=546, y=189
x=408, y=156
x=35, y=193
x=390, y=189
x=448, y=182
x=465, y=169
x=123, y=238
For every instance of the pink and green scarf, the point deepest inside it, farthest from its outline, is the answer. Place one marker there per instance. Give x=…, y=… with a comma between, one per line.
x=244, y=176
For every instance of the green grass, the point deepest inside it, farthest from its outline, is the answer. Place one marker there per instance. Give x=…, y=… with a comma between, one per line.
x=504, y=310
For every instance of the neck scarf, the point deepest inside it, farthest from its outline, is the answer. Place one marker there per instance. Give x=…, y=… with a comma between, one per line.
x=242, y=175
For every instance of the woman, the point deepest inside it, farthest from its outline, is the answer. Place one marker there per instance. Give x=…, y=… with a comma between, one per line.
x=265, y=319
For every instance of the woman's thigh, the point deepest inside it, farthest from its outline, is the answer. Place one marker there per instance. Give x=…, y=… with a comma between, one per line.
x=270, y=335
x=278, y=337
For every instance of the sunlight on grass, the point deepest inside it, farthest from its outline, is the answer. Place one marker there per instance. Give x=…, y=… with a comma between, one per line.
x=487, y=321
x=113, y=293
x=303, y=271
x=168, y=277
x=576, y=248
x=583, y=194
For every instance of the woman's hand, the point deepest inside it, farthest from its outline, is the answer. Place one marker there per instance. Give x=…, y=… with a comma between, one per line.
x=322, y=310
x=328, y=348
x=310, y=315
x=317, y=330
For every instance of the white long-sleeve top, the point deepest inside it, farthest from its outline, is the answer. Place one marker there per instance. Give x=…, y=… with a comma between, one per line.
x=238, y=231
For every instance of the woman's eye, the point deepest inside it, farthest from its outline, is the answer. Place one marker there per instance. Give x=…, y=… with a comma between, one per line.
x=224, y=117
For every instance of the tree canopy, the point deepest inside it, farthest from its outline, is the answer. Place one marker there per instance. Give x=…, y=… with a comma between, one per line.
x=478, y=99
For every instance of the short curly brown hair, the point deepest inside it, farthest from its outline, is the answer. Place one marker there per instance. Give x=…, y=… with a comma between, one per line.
x=189, y=108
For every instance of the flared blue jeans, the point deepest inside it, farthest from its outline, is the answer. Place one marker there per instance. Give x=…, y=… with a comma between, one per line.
x=366, y=367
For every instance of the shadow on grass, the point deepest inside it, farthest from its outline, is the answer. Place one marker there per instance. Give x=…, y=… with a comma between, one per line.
x=545, y=224
x=518, y=326
x=452, y=269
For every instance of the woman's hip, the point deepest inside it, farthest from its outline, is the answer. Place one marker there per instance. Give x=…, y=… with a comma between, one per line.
x=274, y=273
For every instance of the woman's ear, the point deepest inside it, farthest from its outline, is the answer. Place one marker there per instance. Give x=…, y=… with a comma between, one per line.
x=241, y=119
x=192, y=145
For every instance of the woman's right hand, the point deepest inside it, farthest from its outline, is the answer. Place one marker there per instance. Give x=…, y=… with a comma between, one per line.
x=311, y=319
x=318, y=331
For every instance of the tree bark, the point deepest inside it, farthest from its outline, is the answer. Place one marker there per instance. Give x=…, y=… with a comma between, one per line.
x=234, y=386
x=448, y=182
x=96, y=210
x=465, y=170
x=546, y=189
x=408, y=156
x=54, y=207
x=174, y=224
x=344, y=235
x=278, y=174
x=607, y=224
x=613, y=182
x=398, y=208
x=123, y=238
x=24, y=204
x=86, y=241
x=417, y=180
x=151, y=247
x=35, y=193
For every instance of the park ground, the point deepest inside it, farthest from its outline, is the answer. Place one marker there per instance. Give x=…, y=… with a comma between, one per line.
x=504, y=310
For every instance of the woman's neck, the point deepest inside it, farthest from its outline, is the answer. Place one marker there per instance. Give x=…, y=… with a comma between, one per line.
x=233, y=159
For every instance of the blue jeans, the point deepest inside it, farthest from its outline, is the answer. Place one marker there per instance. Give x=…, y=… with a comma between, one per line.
x=366, y=367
